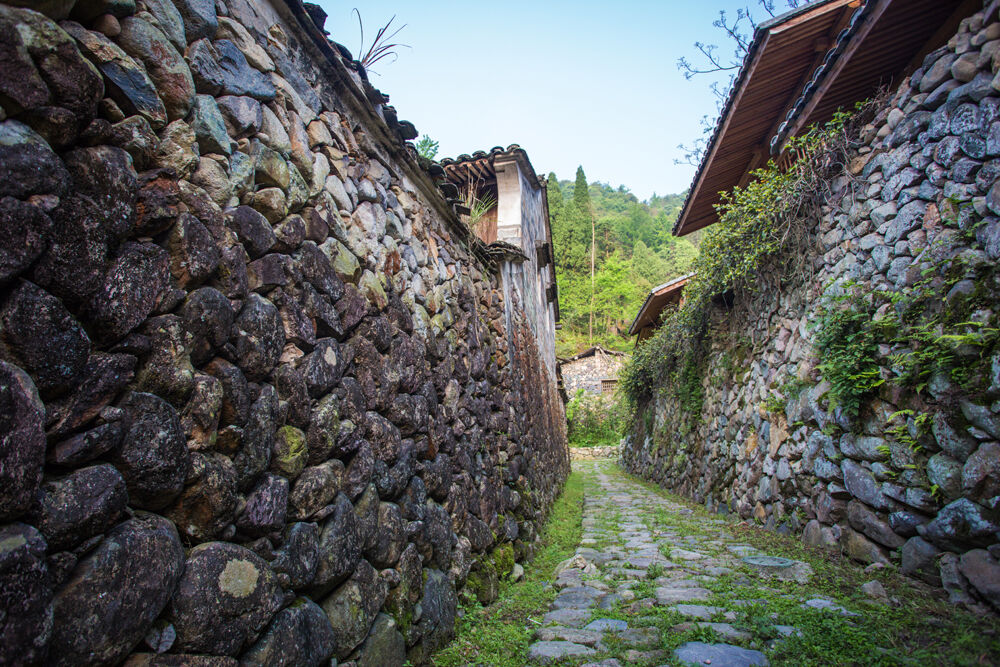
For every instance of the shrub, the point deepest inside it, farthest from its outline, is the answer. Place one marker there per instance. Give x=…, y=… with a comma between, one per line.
x=756, y=223
x=595, y=420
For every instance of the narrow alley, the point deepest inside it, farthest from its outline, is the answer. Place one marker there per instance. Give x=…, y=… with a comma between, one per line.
x=659, y=581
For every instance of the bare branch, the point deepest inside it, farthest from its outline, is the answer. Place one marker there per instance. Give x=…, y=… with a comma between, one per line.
x=738, y=32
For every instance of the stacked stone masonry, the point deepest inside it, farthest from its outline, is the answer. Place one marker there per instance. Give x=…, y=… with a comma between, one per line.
x=589, y=371
x=921, y=188
x=261, y=402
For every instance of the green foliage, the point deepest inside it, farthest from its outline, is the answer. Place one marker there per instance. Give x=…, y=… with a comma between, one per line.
x=908, y=427
x=941, y=327
x=503, y=559
x=756, y=223
x=581, y=193
x=501, y=633
x=937, y=348
x=846, y=343
x=634, y=252
x=936, y=331
x=427, y=147
x=480, y=203
x=655, y=570
x=595, y=420
x=781, y=395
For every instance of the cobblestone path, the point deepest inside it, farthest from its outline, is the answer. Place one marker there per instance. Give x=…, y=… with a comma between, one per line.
x=655, y=582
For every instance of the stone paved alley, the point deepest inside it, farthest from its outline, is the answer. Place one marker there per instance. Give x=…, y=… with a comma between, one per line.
x=657, y=582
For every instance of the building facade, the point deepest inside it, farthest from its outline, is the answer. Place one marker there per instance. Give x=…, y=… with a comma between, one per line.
x=594, y=370
x=508, y=206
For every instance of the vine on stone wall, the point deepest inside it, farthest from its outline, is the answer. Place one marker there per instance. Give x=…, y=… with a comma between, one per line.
x=936, y=337
x=846, y=344
x=757, y=223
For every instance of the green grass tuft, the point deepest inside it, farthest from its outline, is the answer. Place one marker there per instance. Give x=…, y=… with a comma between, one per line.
x=499, y=635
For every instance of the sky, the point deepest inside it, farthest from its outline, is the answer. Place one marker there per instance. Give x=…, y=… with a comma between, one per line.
x=573, y=83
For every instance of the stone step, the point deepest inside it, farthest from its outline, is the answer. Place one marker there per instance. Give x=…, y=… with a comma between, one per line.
x=549, y=652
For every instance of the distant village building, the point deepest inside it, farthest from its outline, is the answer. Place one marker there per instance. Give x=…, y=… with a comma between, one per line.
x=594, y=370
x=669, y=294
x=508, y=209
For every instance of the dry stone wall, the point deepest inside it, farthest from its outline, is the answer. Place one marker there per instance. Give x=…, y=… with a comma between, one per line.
x=593, y=453
x=587, y=373
x=919, y=208
x=261, y=401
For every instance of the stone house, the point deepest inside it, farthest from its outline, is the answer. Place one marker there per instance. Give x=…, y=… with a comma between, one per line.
x=594, y=370
x=515, y=220
x=912, y=478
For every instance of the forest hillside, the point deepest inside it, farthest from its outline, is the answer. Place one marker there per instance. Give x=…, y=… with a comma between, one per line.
x=632, y=250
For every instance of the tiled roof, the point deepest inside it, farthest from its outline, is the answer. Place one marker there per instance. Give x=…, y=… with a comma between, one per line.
x=786, y=85
x=656, y=301
x=589, y=352
x=480, y=163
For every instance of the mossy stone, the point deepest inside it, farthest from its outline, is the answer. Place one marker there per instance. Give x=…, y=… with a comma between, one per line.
x=290, y=452
x=503, y=559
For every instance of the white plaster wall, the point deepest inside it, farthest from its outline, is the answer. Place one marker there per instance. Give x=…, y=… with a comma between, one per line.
x=521, y=222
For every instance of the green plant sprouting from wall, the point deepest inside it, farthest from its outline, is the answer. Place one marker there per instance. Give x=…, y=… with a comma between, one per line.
x=846, y=343
x=380, y=48
x=756, y=223
x=787, y=391
x=479, y=203
x=427, y=147
x=941, y=329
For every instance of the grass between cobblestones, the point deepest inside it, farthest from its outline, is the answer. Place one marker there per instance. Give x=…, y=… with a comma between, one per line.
x=923, y=629
x=499, y=635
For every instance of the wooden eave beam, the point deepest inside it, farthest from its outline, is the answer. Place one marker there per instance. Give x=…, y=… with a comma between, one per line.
x=725, y=128
x=842, y=22
x=828, y=80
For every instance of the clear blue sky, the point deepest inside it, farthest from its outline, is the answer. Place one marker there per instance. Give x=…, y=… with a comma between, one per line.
x=574, y=83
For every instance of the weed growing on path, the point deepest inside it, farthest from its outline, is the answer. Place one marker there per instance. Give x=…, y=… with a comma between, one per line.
x=499, y=635
x=922, y=629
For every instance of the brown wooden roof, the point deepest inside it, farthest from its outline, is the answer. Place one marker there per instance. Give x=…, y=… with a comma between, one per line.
x=479, y=165
x=891, y=41
x=656, y=301
x=801, y=68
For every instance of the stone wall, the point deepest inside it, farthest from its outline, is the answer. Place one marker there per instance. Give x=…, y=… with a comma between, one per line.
x=593, y=453
x=917, y=209
x=260, y=398
x=523, y=221
x=587, y=373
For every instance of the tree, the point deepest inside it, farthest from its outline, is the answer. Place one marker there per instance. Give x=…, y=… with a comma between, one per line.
x=648, y=265
x=427, y=147
x=610, y=249
x=581, y=199
x=618, y=295
x=581, y=192
x=555, y=196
